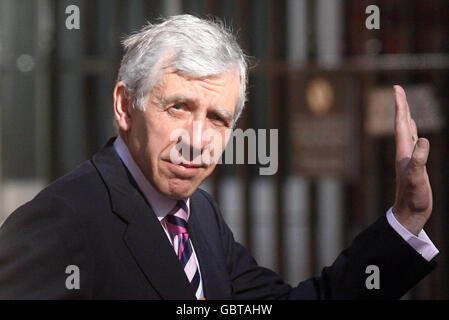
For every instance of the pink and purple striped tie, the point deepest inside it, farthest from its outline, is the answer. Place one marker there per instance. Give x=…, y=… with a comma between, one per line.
x=176, y=222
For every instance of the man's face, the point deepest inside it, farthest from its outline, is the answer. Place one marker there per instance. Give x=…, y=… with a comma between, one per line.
x=179, y=103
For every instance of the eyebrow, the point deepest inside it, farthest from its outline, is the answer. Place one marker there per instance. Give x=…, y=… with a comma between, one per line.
x=178, y=98
x=225, y=114
x=222, y=112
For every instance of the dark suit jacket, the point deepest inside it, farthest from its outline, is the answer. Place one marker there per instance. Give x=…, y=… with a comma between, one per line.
x=96, y=218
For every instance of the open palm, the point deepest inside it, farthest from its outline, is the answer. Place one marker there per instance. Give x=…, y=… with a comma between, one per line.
x=413, y=202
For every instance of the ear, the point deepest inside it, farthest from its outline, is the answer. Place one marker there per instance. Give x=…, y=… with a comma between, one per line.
x=122, y=107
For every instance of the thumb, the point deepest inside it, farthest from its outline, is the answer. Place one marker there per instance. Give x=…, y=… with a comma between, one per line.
x=420, y=154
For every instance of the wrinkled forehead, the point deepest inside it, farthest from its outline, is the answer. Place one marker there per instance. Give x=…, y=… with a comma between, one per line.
x=225, y=86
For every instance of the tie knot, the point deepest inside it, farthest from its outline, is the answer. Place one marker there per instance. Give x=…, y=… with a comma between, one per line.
x=181, y=204
x=177, y=219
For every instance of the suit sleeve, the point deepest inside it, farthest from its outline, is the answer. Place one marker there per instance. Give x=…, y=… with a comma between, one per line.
x=37, y=243
x=400, y=268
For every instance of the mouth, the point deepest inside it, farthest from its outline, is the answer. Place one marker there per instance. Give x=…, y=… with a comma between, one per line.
x=185, y=169
x=191, y=165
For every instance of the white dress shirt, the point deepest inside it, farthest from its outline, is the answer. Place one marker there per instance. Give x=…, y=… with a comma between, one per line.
x=421, y=243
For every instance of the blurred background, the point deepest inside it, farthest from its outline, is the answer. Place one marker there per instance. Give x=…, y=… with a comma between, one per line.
x=323, y=75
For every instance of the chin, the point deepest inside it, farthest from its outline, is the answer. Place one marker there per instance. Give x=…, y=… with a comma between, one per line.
x=181, y=189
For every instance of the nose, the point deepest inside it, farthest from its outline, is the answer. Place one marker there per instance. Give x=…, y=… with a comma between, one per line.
x=197, y=134
x=195, y=141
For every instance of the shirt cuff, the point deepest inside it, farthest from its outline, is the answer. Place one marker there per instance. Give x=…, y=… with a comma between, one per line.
x=421, y=243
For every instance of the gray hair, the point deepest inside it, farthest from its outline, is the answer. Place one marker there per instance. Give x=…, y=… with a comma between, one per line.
x=194, y=47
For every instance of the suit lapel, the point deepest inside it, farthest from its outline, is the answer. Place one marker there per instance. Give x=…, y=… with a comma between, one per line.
x=214, y=281
x=155, y=255
x=144, y=235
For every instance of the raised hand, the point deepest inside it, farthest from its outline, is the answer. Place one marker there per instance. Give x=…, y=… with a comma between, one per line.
x=413, y=201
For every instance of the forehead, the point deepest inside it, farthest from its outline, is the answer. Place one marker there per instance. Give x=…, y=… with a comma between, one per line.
x=218, y=88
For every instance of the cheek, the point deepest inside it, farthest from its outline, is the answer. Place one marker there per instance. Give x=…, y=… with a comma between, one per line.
x=220, y=140
x=145, y=143
x=156, y=144
x=159, y=143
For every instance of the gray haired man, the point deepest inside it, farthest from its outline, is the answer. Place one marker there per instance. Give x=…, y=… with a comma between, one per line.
x=131, y=223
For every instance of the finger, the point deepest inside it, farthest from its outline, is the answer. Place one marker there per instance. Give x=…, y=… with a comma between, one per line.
x=414, y=130
x=401, y=92
x=404, y=145
x=401, y=108
x=420, y=154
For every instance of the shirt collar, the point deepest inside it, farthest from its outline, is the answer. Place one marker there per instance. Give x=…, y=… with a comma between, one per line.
x=160, y=203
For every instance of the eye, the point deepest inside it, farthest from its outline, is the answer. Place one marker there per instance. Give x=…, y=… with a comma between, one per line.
x=218, y=119
x=179, y=106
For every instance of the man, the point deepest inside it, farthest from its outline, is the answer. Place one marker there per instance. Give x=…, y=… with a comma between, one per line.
x=132, y=224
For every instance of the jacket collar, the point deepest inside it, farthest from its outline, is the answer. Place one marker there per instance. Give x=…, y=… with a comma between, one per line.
x=144, y=235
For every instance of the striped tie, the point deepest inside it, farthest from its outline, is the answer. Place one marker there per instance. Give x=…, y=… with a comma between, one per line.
x=176, y=222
